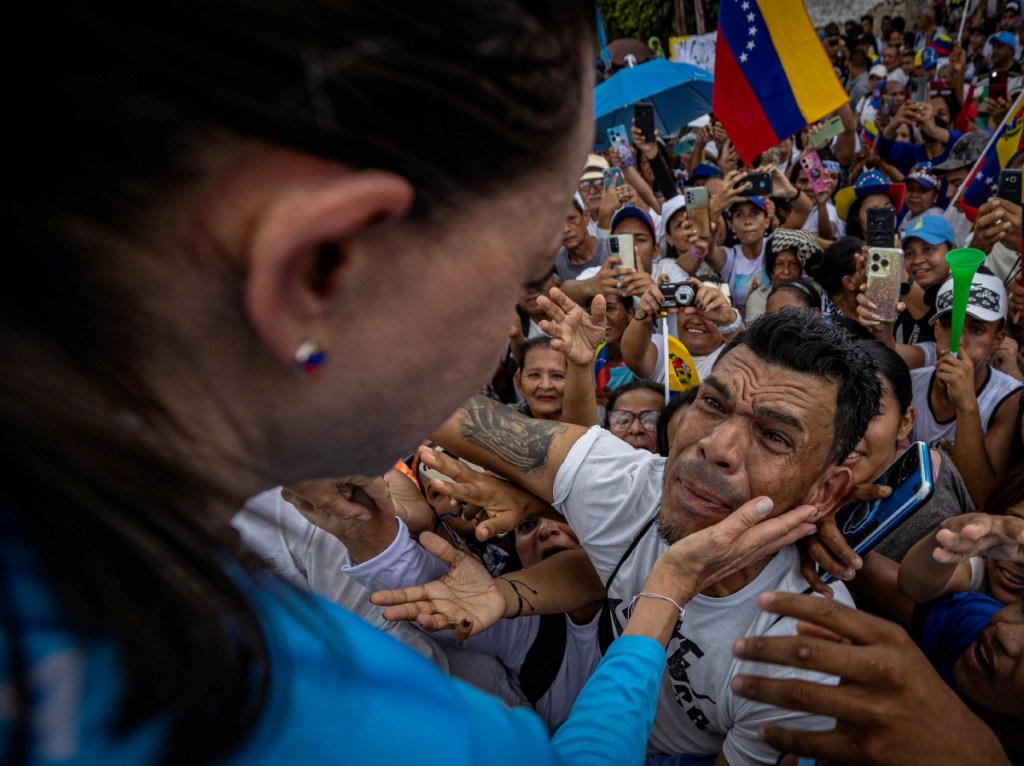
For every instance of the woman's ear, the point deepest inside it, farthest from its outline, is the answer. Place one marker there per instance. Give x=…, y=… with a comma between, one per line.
x=300, y=251
x=906, y=424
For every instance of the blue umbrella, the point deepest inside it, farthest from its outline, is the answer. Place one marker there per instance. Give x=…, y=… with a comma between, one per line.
x=680, y=93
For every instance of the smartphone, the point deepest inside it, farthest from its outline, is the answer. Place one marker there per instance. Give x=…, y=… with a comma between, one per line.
x=618, y=136
x=815, y=171
x=643, y=118
x=830, y=128
x=613, y=178
x=866, y=523
x=885, y=110
x=885, y=279
x=686, y=144
x=760, y=184
x=1009, y=186
x=881, y=227
x=698, y=209
x=997, y=84
x=919, y=89
x=621, y=245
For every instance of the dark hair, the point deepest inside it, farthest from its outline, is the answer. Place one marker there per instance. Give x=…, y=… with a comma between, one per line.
x=802, y=288
x=899, y=23
x=891, y=366
x=859, y=58
x=635, y=385
x=802, y=341
x=676, y=403
x=853, y=227
x=541, y=341
x=147, y=103
x=838, y=261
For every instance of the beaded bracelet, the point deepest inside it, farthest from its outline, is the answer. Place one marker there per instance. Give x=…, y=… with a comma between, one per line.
x=672, y=601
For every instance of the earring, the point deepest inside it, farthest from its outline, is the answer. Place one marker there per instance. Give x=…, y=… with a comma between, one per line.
x=310, y=358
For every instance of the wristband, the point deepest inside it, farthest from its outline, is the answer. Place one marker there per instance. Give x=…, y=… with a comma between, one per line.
x=795, y=197
x=697, y=255
x=733, y=326
x=672, y=601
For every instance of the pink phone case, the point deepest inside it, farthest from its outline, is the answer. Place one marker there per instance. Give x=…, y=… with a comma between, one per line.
x=816, y=173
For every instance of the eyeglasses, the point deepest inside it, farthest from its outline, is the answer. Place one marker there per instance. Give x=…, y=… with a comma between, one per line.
x=596, y=183
x=622, y=419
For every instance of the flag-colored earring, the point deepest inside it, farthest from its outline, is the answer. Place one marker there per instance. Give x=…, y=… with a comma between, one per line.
x=310, y=357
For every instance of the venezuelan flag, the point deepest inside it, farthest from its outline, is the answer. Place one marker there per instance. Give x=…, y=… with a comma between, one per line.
x=602, y=372
x=983, y=180
x=772, y=76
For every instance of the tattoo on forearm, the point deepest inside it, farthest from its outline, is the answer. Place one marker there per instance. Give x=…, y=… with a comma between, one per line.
x=522, y=443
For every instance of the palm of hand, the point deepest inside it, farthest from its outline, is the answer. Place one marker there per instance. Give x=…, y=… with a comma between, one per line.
x=467, y=592
x=581, y=336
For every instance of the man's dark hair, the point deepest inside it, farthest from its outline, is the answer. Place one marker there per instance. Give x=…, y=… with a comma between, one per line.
x=804, y=342
x=859, y=58
x=838, y=261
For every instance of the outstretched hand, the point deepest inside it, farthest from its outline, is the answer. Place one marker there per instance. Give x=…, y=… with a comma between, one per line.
x=980, y=534
x=576, y=333
x=467, y=600
x=506, y=504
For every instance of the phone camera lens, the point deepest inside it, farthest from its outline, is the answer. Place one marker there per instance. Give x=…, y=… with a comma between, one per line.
x=874, y=267
x=885, y=264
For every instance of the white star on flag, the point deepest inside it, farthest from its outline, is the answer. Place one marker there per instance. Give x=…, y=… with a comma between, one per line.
x=751, y=17
x=743, y=58
x=746, y=6
x=750, y=45
x=753, y=31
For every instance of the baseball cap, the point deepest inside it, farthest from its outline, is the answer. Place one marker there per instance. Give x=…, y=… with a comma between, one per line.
x=869, y=182
x=1012, y=5
x=669, y=209
x=878, y=70
x=705, y=170
x=1004, y=38
x=986, y=302
x=942, y=45
x=632, y=211
x=759, y=201
x=965, y=152
x=596, y=165
x=926, y=58
x=924, y=175
x=933, y=229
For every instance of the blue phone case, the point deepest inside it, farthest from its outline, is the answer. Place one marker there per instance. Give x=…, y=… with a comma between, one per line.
x=613, y=178
x=618, y=135
x=864, y=524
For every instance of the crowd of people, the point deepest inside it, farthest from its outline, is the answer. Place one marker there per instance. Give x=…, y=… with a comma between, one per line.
x=340, y=427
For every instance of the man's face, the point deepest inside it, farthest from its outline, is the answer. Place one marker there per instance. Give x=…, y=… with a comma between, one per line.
x=643, y=240
x=1002, y=55
x=867, y=25
x=538, y=538
x=890, y=57
x=532, y=291
x=977, y=340
x=991, y=672
x=755, y=429
x=907, y=63
x=1008, y=20
x=896, y=38
x=786, y=268
x=953, y=180
x=591, y=190
x=574, y=229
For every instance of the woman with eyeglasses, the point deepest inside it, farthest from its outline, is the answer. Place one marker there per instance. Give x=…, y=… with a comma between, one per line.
x=632, y=414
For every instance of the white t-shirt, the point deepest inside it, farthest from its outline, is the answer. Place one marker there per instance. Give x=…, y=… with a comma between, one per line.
x=405, y=563
x=609, y=492
x=997, y=388
x=310, y=559
x=838, y=225
x=740, y=271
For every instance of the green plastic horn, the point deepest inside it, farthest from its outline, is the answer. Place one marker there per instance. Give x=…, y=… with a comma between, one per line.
x=964, y=263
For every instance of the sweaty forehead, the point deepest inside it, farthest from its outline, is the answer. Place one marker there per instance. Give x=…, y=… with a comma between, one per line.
x=754, y=386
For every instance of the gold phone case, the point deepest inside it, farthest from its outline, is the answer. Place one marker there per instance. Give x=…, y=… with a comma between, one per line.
x=885, y=276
